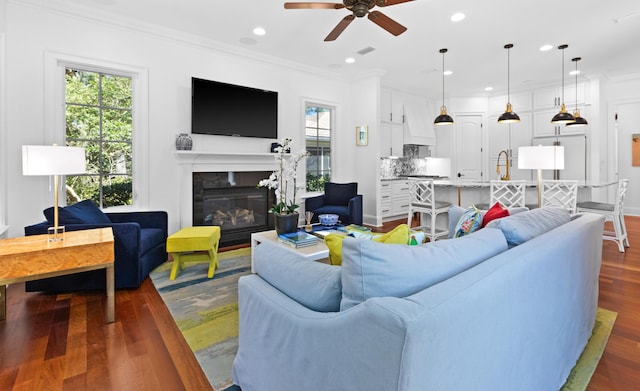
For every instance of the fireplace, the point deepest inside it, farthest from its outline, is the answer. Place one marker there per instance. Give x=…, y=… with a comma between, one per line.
x=232, y=201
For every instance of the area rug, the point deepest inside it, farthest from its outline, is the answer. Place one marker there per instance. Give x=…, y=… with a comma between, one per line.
x=585, y=367
x=206, y=310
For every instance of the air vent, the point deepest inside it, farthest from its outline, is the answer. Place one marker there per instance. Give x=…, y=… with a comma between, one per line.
x=366, y=50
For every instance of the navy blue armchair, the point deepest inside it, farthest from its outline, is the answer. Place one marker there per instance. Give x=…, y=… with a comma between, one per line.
x=140, y=246
x=338, y=198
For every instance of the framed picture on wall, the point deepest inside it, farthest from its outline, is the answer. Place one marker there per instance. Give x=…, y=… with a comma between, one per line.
x=362, y=135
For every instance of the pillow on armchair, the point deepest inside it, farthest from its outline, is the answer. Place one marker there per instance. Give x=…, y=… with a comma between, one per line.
x=83, y=212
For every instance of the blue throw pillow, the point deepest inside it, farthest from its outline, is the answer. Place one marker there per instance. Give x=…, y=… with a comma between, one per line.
x=470, y=221
x=84, y=212
x=524, y=226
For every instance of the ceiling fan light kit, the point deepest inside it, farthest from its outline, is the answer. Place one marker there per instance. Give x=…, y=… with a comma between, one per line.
x=359, y=9
x=443, y=118
x=579, y=121
x=563, y=117
x=508, y=116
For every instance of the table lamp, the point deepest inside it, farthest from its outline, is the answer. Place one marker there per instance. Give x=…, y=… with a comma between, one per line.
x=53, y=160
x=541, y=157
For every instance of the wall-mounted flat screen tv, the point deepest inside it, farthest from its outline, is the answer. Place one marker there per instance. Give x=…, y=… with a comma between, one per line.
x=231, y=110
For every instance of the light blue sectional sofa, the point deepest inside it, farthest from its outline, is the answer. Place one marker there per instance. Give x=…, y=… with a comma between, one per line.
x=509, y=307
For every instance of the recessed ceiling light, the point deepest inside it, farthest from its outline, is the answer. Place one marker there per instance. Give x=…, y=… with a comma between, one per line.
x=350, y=60
x=546, y=47
x=458, y=16
x=447, y=73
x=488, y=88
x=259, y=31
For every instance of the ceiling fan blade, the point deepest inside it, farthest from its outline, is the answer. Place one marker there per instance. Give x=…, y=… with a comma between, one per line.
x=386, y=23
x=386, y=3
x=313, y=5
x=339, y=28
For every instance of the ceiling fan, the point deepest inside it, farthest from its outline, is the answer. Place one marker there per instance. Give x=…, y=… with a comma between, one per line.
x=359, y=8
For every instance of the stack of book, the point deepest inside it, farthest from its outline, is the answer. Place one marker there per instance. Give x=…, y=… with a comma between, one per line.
x=297, y=239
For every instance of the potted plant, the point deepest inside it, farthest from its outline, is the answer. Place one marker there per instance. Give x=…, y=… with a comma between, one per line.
x=284, y=182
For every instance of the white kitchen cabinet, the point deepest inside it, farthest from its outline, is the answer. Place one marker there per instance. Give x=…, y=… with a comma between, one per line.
x=391, y=106
x=542, y=126
x=385, y=198
x=391, y=140
x=551, y=97
x=394, y=198
x=521, y=102
x=417, y=128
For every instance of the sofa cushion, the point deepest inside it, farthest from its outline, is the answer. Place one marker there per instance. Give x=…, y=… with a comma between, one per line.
x=455, y=212
x=372, y=269
x=83, y=212
x=497, y=211
x=469, y=222
x=524, y=226
x=315, y=285
x=339, y=193
x=398, y=235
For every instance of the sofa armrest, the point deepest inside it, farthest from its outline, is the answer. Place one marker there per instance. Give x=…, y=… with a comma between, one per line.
x=277, y=332
x=313, y=203
x=151, y=219
x=355, y=209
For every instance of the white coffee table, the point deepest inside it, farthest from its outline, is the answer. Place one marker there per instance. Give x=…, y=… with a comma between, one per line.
x=315, y=252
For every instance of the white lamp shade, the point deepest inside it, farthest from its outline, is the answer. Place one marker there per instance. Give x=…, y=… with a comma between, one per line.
x=53, y=160
x=541, y=157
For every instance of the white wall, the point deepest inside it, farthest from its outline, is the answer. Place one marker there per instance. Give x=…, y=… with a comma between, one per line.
x=32, y=32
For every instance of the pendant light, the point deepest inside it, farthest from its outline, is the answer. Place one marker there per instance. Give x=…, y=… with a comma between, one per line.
x=508, y=116
x=443, y=118
x=562, y=117
x=579, y=121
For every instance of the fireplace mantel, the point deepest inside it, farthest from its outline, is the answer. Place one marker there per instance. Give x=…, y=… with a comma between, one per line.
x=203, y=161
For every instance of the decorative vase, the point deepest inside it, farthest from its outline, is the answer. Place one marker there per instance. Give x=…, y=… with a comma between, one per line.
x=184, y=142
x=286, y=223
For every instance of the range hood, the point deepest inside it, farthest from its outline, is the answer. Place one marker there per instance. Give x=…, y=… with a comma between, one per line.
x=417, y=129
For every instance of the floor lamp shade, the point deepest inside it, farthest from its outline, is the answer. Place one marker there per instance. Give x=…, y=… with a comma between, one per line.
x=53, y=160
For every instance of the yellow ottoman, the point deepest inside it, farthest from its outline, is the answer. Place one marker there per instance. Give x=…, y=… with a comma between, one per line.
x=184, y=243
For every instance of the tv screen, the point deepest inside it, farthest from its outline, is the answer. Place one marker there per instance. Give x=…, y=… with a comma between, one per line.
x=232, y=110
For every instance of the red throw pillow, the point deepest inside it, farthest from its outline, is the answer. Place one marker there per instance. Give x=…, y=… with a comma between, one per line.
x=495, y=212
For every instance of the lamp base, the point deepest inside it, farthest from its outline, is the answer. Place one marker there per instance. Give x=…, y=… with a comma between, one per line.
x=56, y=234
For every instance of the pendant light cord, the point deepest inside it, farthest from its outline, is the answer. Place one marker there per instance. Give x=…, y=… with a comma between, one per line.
x=508, y=75
x=443, y=51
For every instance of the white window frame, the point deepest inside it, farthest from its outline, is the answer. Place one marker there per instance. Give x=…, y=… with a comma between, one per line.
x=54, y=92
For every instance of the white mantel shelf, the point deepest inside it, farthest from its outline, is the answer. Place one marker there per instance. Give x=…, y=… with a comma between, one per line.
x=190, y=157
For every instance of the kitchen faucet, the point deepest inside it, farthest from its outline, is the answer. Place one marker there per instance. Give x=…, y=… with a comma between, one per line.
x=506, y=156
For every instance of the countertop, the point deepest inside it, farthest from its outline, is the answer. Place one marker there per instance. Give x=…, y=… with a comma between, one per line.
x=466, y=183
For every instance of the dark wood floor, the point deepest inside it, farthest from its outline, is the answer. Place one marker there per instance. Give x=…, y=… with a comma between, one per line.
x=60, y=342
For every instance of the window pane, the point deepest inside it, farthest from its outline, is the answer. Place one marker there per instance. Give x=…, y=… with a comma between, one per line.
x=117, y=124
x=83, y=122
x=81, y=87
x=116, y=157
x=116, y=91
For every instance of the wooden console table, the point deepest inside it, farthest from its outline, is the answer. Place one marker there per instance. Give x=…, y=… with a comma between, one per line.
x=34, y=257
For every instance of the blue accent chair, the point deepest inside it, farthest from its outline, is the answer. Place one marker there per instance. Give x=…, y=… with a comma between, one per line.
x=140, y=246
x=338, y=198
